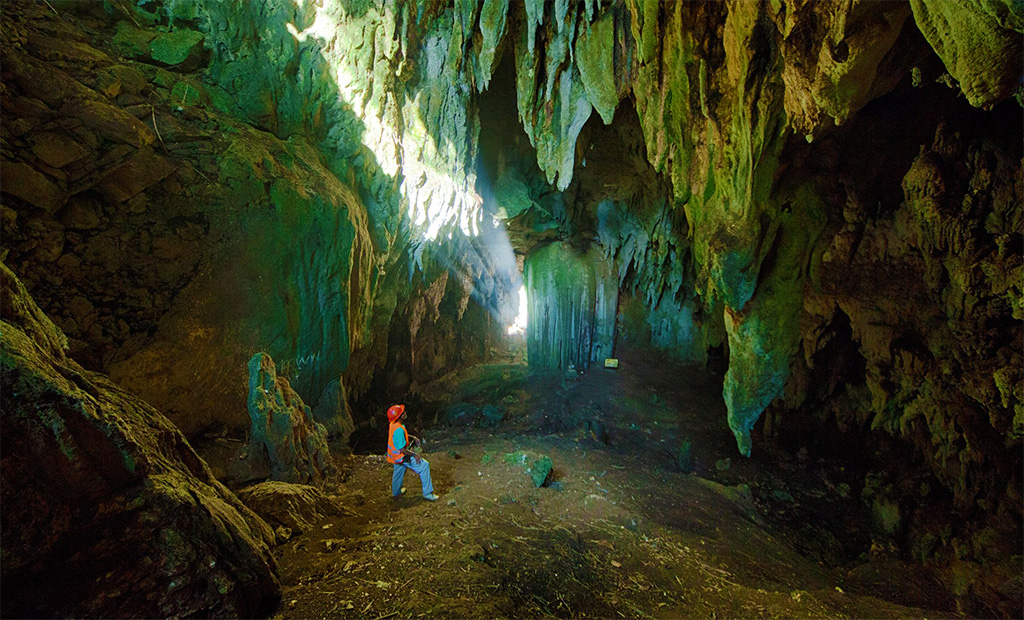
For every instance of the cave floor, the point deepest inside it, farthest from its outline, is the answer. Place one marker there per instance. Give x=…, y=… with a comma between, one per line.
x=617, y=531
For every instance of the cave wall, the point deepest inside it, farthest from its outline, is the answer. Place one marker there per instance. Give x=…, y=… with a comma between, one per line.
x=176, y=205
x=843, y=180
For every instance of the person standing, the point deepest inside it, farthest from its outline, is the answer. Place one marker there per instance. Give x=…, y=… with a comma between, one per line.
x=402, y=457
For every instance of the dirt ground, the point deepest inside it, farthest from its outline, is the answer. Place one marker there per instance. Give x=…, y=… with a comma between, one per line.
x=617, y=530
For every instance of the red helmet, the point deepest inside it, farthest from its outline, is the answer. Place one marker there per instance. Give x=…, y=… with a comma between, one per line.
x=395, y=412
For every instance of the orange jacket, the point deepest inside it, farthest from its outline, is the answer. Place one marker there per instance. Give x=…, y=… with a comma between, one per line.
x=394, y=454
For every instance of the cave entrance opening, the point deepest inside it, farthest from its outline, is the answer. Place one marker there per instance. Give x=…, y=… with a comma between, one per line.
x=518, y=325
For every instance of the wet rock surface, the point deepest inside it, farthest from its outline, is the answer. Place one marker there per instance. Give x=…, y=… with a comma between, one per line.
x=107, y=510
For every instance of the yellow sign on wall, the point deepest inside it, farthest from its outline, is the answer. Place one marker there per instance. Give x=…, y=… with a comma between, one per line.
x=611, y=362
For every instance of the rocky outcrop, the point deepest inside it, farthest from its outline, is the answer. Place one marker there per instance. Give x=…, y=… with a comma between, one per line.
x=912, y=330
x=107, y=511
x=979, y=42
x=283, y=427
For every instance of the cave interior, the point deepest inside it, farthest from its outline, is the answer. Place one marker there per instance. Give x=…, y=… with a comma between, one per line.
x=695, y=309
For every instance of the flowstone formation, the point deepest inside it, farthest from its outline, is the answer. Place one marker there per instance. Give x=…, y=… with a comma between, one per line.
x=572, y=300
x=107, y=511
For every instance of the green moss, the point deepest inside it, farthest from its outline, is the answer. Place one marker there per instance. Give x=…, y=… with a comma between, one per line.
x=175, y=47
x=187, y=93
x=132, y=42
x=182, y=10
x=538, y=467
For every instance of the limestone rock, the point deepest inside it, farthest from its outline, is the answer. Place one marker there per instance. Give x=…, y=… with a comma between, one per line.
x=23, y=181
x=493, y=15
x=461, y=415
x=41, y=81
x=333, y=411
x=979, y=41
x=738, y=497
x=110, y=122
x=537, y=466
x=181, y=48
x=142, y=170
x=595, y=56
x=284, y=427
x=132, y=42
x=297, y=507
x=57, y=149
x=80, y=214
x=107, y=510
x=572, y=299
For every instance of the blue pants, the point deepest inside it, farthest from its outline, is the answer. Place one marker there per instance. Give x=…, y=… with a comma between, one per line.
x=422, y=469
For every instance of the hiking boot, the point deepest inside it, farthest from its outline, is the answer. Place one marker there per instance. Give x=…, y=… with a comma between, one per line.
x=400, y=493
x=431, y=497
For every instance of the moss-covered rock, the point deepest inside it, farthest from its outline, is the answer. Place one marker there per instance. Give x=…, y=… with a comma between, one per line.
x=537, y=466
x=107, y=510
x=297, y=507
x=180, y=48
x=980, y=43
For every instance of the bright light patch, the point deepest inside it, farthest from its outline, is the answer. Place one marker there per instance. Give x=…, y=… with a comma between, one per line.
x=440, y=193
x=518, y=326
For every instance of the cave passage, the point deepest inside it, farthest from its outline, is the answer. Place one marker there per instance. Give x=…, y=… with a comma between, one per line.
x=615, y=491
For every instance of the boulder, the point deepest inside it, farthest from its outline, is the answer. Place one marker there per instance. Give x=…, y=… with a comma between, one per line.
x=298, y=507
x=491, y=416
x=738, y=497
x=107, y=510
x=461, y=415
x=284, y=427
x=110, y=122
x=57, y=149
x=538, y=466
